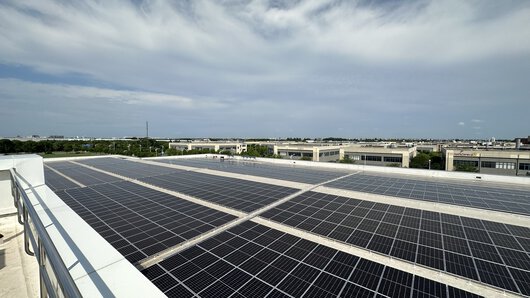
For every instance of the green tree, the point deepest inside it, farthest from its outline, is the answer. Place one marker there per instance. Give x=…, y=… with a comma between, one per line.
x=466, y=168
x=347, y=159
x=421, y=161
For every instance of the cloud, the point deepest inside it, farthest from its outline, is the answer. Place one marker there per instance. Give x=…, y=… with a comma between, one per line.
x=461, y=123
x=307, y=66
x=10, y=88
x=253, y=38
x=477, y=120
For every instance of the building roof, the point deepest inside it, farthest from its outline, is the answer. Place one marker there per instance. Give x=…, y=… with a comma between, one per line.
x=491, y=153
x=211, y=227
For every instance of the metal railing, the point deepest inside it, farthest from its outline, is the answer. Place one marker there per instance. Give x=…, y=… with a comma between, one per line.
x=55, y=280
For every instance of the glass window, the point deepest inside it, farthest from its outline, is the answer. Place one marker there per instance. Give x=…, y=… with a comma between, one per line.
x=392, y=159
x=505, y=165
x=465, y=163
x=488, y=164
x=371, y=158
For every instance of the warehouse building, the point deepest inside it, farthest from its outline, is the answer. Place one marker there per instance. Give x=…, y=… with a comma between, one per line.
x=380, y=156
x=308, y=152
x=234, y=147
x=498, y=162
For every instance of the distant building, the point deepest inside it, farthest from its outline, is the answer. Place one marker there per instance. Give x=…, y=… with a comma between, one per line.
x=234, y=147
x=498, y=162
x=380, y=156
x=314, y=153
x=429, y=147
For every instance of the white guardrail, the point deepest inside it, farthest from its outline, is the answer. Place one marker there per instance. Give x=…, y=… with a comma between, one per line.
x=55, y=280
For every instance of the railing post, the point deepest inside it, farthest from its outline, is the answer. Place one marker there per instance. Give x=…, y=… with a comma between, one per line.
x=26, y=234
x=13, y=188
x=18, y=205
x=40, y=259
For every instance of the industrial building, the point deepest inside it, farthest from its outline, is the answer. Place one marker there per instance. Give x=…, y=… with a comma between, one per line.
x=308, y=151
x=234, y=147
x=197, y=226
x=380, y=156
x=497, y=162
x=374, y=155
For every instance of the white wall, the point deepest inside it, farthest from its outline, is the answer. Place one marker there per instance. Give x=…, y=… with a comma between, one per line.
x=6, y=199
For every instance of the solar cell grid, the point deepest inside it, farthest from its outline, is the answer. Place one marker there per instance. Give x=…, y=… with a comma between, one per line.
x=139, y=221
x=234, y=193
x=440, y=241
x=57, y=182
x=221, y=267
x=491, y=198
x=60, y=165
x=83, y=175
x=282, y=172
x=127, y=168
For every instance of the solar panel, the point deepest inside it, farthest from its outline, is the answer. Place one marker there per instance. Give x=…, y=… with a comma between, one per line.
x=57, y=182
x=234, y=193
x=441, y=241
x=82, y=174
x=139, y=221
x=294, y=173
x=127, y=168
x=61, y=165
x=490, y=198
x=251, y=260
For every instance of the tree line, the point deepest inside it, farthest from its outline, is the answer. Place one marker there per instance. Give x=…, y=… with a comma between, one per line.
x=142, y=147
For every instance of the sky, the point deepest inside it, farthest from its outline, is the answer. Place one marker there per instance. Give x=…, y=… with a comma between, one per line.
x=242, y=68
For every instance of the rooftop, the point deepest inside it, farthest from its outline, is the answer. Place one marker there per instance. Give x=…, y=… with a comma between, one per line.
x=214, y=227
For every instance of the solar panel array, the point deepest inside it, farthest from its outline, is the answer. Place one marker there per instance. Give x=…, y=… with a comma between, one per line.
x=57, y=182
x=82, y=174
x=294, y=173
x=139, y=221
x=494, y=253
x=505, y=200
x=126, y=168
x=252, y=260
x=234, y=193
